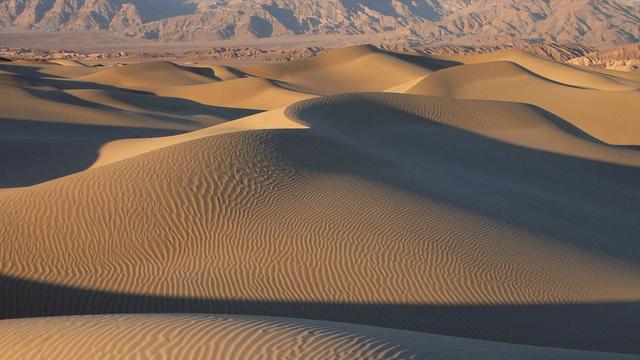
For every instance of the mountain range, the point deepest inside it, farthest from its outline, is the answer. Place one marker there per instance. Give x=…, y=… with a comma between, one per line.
x=598, y=23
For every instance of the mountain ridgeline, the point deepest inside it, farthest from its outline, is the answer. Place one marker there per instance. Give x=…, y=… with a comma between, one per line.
x=598, y=23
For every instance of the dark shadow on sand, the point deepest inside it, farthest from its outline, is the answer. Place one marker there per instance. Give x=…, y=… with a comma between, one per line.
x=33, y=152
x=590, y=204
x=611, y=327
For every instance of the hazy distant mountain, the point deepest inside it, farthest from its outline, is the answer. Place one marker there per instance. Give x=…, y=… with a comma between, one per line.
x=591, y=22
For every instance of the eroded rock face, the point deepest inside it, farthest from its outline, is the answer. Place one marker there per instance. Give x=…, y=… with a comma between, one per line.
x=624, y=58
x=466, y=22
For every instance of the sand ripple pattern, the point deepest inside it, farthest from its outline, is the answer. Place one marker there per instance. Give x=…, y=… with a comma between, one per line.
x=244, y=337
x=386, y=200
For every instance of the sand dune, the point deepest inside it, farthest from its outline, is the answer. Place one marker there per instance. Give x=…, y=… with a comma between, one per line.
x=181, y=206
x=146, y=74
x=249, y=92
x=227, y=72
x=568, y=74
x=503, y=209
x=48, y=69
x=53, y=126
x=246, y=337
x=65, y=62
x=358, y=68
x=610, y=116
x=123, y=149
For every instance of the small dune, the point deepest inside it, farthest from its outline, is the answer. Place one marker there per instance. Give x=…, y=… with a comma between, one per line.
x=146, y=74
x=249, y=92
x=358, y=68
x=611, y=116
x=65, y=62
x=564, y=73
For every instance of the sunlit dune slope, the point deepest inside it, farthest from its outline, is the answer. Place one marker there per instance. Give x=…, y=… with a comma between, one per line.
x=589, y=78
x=611, y=116
x=246, y=337
x=64, y=62
x=358, y=68
x=249, y=93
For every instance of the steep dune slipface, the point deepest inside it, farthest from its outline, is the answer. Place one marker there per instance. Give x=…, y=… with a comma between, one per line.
x=611, y=116
x=393, y=210
x=358, y=68
x=246, y=337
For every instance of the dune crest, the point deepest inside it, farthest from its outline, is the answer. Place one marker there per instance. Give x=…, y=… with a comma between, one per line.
x=607, y=115
x=146, y=74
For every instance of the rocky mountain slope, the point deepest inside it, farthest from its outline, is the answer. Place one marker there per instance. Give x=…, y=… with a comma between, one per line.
x=624, y=58
x=591, y=22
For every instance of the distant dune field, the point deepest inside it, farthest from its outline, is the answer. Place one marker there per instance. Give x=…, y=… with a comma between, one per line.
x=359, y=204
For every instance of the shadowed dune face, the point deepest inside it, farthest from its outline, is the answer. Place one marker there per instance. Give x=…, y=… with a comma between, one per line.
x=54, y=126
x=494, y=220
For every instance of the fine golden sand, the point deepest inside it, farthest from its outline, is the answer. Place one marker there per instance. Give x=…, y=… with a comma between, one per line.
x=359, y=204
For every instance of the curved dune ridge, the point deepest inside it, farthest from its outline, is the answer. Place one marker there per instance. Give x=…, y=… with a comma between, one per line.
x=248, y=92
x=467, y=208
x=357, y=68
x=610, y=116
x=568, y=74
x=246, y=337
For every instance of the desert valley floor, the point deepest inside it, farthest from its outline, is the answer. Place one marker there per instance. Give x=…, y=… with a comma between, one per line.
x=357, y=204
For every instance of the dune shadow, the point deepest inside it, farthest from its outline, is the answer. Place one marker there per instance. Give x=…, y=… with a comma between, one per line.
x=237, y=72
x=426, y=61
x=163, y=108
x=26, y=71
x=611, y=327
x=582, y=202
x=33, y=152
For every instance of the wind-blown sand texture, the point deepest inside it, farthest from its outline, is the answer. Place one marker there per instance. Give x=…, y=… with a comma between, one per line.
x=482, y=204
x=249, y=337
